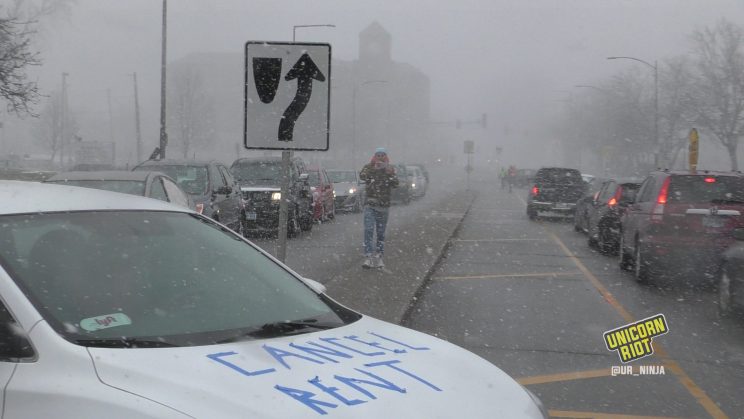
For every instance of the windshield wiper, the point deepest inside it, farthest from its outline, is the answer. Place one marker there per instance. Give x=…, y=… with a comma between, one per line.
x=282, y=328
x=125, y=343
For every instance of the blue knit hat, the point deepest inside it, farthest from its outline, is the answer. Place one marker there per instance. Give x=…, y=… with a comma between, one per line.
x=380, y=150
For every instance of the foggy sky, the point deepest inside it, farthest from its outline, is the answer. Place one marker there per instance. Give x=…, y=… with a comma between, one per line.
x=511, y=59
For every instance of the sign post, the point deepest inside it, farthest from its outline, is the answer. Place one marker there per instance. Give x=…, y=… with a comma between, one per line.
x=287, y=106
x=694, y=148
x=469, y=149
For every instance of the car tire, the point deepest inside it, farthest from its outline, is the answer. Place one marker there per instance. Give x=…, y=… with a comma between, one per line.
x=332, y=214
x=531, y=214
x=724, y=292
x=641, y=268
x=624, y=260
x=592, y=242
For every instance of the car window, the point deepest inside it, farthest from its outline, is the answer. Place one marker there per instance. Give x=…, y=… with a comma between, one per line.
x=313, y=178
x=607, y=192
x=175, y=194
x=157, y=190
x=647, y=190
x=156, y=274
x=226, y=174
x=706, y=189
x=194, y=180
x=257, y=172
x=558, y=176
x=345, y=176
x=14, y=345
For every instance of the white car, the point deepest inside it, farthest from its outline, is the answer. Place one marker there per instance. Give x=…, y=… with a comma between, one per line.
x=116, y=306
x=418, y=181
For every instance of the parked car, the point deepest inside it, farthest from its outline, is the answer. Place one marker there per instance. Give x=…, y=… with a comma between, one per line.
x=321, y=187
x=210, y=185
x=403, y=193
x=681, y=221
x=607, y=209
x=349, y=191
x=555, y=190
x=115, y=306
x=423, y=171
x=418, y=181
x=260, y=183
x=150, y=184
x=585, y=205
x=731, y=276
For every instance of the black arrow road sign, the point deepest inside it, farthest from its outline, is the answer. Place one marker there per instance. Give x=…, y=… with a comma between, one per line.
x=304, y=71
x=266, y=75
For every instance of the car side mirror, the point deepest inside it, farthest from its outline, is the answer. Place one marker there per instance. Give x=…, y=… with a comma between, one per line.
x=738, y=234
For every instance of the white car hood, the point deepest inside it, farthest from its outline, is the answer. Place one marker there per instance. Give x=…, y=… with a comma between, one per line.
x=369, y=369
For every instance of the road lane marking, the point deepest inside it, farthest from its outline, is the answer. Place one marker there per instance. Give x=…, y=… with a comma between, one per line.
x=597, y=415
x=498, y=240
x=564, y=376
x=698, y=393
x=534, y=275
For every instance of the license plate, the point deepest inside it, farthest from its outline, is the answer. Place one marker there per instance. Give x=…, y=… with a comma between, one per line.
x=250, y=216
x=561, y=206
x=713, y=221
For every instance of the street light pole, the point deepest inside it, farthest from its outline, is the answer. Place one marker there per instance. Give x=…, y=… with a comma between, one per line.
x=655, y=67
x=163, y=132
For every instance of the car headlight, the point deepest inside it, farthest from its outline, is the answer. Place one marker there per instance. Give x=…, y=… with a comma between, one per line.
x=352, y=191
x=275, y=196
x=413, y=185
x=334, y=193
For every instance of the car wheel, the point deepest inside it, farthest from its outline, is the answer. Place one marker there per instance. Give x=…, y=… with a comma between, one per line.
x=531, y=214
x=724, y=292
x=640, y=266
x=623, y=258
x=332, y=214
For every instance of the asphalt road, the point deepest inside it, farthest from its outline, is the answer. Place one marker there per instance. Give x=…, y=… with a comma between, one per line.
x=465, y=264
x=532, y=298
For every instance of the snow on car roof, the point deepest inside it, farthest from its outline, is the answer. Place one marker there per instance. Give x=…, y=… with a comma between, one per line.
x=21, y=197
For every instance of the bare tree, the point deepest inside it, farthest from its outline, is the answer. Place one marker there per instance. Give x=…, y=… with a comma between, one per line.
x=19, y=22
x=676, y=107
x=192, y=110
x=718, y=93
x=49, y=130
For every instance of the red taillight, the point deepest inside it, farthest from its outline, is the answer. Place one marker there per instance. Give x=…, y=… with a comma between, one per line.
x=612, y=202
x=658, y=212
x=535, y=190
x=200, y=208
x=615, y=198
x=710, y=180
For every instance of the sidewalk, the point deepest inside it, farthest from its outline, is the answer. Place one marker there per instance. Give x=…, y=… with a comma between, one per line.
x=412, y=253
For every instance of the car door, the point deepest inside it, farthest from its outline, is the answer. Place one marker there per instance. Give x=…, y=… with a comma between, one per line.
x=220, y=196
x=233, y=198
x=14, y=347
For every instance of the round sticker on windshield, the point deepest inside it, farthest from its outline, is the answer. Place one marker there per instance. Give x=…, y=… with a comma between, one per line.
x=105, y=321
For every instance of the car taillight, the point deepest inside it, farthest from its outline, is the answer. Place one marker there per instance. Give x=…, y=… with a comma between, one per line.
x=535, y=190
x=710, y=180
x=200, y=208
x=615, y=198
x=658, y=213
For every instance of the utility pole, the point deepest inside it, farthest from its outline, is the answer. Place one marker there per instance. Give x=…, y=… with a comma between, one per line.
x=137, y=119
x=111, y=116
x=62, y=117
x=163, y=133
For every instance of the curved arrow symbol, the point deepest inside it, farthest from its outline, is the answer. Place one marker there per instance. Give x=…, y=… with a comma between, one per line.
x=305, y=71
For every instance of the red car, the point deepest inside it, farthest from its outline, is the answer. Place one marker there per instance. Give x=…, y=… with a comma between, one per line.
x=681, y=221
x=324, y=204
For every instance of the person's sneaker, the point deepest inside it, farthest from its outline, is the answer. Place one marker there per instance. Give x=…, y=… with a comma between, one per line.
x=368, y=263
x=378, y=263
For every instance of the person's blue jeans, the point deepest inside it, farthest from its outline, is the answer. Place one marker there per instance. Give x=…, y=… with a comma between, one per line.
x=375, y=220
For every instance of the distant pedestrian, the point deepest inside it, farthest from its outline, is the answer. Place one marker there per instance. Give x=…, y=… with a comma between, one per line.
x=380, y=178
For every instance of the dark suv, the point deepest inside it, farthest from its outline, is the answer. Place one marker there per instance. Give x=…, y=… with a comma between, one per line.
x=555, y=190
x=681, y=220
x=260, y=183
x=209, y=184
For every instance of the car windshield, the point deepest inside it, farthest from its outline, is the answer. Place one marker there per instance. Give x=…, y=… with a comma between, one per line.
x=193, y=180
x=345, y=176
x=150, y=275
x=559, y=176
x=706, y=189
x=257, y=172
x=131, y=187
